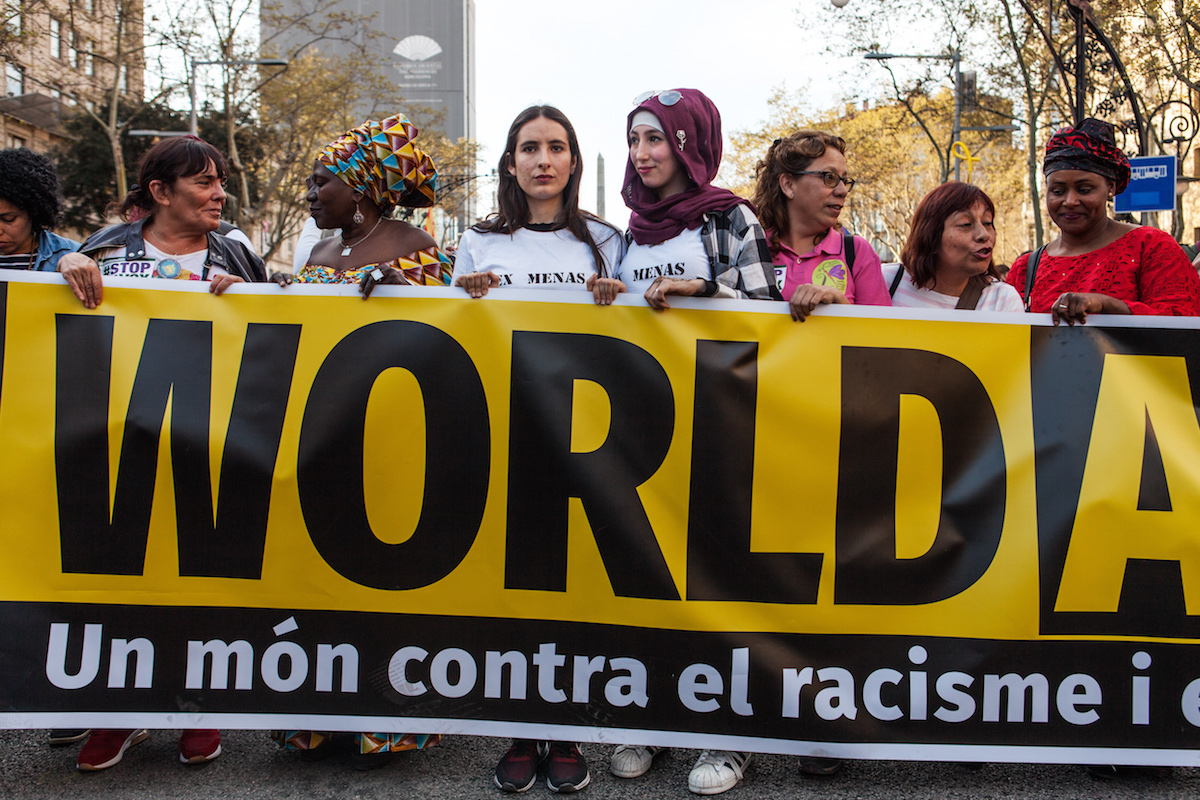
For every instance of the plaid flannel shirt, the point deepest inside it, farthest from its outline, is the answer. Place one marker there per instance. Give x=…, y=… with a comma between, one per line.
x=739, y=255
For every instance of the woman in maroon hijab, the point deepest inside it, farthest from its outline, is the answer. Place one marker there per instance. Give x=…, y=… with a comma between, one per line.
x=689, y=237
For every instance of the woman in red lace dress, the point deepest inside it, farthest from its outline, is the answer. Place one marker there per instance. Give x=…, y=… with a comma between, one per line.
x=1098, y=265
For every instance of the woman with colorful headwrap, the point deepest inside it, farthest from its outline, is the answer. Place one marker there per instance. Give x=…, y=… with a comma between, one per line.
x=689, y=237
x=1098, y=265
x=355, y=183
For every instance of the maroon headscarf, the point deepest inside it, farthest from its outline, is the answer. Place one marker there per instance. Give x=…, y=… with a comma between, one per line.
x=1089, y=146
x=693, y=126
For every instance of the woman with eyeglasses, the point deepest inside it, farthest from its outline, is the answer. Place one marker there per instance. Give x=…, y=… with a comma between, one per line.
x=689, y=238
x=802, y=187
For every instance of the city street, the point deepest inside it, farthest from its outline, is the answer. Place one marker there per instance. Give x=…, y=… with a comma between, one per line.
x=253, y=767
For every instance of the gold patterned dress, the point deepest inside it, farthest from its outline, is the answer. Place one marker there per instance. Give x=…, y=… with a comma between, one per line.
x=429, y=267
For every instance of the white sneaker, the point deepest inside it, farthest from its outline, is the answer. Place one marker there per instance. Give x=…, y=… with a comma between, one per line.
x=717, y=771
x=632, y=761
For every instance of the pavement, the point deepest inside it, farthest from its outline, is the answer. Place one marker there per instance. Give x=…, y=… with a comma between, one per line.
x=252, y=766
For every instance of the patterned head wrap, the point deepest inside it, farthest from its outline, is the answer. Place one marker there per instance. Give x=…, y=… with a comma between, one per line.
x=380, y=160
x=1089, y=146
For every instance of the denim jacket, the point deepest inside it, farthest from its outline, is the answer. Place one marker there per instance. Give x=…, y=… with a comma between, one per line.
x=52, y=247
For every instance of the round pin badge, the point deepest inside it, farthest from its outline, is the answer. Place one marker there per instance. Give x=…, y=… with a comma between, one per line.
x=169, y=268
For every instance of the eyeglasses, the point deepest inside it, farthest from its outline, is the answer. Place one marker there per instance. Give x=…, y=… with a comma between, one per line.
x=831, y=179
x=668, y=98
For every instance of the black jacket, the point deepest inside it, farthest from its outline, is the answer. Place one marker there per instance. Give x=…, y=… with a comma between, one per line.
x=229, y=255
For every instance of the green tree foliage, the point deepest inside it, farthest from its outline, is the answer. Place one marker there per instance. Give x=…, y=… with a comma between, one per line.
x=1023, y=52
x=89, y=184
x=85, y=166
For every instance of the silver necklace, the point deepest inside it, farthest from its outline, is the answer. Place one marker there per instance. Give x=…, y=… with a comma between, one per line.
x=168, y=268
x=346, y=248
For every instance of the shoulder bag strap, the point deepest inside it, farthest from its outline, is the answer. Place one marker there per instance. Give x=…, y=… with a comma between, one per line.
x=969, y=298
x=896, y=280
x=1031, y=272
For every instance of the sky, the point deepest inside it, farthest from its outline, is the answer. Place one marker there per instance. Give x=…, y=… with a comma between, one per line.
x=591, y=59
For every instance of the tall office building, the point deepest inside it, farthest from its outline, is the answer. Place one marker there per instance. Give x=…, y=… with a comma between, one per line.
x=432, y=55
x=427, y=47
x=59, y=53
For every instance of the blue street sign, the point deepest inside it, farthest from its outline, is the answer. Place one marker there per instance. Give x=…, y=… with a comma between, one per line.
x=1151, y=185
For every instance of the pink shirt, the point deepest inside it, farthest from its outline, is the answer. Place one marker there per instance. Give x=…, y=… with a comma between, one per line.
x=826, y=266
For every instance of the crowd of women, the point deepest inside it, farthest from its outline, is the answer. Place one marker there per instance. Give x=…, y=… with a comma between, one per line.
x=686, y=237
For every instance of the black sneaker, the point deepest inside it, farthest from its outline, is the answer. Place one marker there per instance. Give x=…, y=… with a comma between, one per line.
x=365, y=762
x=566, y=768
x=518, y=769
x=61, y=736
x=819, y=765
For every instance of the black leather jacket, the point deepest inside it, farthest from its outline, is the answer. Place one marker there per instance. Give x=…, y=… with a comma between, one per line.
x=231, y=256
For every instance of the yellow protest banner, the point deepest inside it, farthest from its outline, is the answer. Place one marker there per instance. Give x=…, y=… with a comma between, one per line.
x=707, y=522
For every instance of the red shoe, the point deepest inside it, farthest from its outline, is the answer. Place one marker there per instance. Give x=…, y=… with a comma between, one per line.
x=199, y=746
x=104, y=748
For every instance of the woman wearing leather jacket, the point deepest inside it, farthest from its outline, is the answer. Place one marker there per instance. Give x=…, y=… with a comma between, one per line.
x=172, y=215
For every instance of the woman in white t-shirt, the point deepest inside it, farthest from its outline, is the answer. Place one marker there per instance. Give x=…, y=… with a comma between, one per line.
x=689, y=238
x=539, y=238
x=948, y=256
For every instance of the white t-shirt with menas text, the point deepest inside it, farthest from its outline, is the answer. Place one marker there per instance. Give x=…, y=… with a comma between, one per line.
x=681, y=257
x=538, y=259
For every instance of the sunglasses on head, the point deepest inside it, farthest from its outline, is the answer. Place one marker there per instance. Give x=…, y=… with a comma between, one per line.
x=668, y=97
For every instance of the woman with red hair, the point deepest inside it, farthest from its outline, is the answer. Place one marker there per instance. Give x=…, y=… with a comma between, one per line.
x=947, y=258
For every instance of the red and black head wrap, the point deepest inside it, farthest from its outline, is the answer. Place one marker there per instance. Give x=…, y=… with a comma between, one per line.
x=1089, y=146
